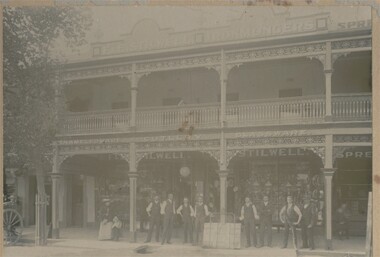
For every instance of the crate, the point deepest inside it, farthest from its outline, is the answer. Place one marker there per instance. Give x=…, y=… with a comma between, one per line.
x=222, y=235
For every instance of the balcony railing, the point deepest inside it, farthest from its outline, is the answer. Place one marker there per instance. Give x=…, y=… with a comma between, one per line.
x=352, y=107
x=295, y=110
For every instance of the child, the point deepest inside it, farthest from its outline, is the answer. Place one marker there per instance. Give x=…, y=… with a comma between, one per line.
x=116, y=226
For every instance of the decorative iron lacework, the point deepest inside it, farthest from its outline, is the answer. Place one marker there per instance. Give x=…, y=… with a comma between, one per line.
x=197, y=145
x=349, y=44
x=253, y=142
x=352, y=138
x=245, y=55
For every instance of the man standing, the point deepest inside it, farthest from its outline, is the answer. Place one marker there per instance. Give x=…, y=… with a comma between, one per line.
x=343, y=221
x=187, y=213
x=290, y=216
x=307, y=224
x=201, y=212
x=154, y=213
x=168, y=210
x=266, y=212
x=248, y=215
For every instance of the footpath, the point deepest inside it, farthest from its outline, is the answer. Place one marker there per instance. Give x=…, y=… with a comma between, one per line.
x=83, y=242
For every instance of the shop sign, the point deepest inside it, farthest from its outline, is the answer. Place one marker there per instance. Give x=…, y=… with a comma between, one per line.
x=166, y=156
x=354, y=154
x=273, y=152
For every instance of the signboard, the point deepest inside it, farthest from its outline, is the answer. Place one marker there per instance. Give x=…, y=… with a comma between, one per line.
x=273, y=152
x=246, y=28
x=355, y=154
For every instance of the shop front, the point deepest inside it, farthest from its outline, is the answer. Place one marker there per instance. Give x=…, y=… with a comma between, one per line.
x=352, y=183
x=277, y=173
x=185, y=174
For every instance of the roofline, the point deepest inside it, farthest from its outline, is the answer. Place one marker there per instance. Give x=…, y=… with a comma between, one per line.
x=196, y=49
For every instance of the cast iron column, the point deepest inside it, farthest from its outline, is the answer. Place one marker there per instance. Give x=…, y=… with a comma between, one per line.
x=134, y=82
x=328, y=173
x=132, y=192
x=328, y=74
x=55, y=177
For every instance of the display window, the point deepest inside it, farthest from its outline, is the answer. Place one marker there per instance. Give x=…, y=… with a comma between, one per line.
x=277, y=177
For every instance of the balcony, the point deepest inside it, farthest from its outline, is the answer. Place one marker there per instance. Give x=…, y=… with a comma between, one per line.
x=280, y=111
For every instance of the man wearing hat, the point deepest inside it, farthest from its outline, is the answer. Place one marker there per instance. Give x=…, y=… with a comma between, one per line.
x=168, y=210
x=290, y=216
x=201, y=212
x=187, y=213
x=249, y=216
x=307, y=223
x=154, y=213
x=266, y=213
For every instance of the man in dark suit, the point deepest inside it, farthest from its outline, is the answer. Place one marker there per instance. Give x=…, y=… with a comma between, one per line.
x=265, y=213
x=307, y=223
x=154, y=213
x=168, y=210
x=248, y=216
x=187, y=213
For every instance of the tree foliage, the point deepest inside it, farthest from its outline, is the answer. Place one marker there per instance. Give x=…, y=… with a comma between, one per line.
x=30, y=34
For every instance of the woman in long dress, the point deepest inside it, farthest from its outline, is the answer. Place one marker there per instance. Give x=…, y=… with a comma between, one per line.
x=105, y=229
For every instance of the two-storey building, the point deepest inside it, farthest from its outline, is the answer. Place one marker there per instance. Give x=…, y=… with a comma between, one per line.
x=263, y=106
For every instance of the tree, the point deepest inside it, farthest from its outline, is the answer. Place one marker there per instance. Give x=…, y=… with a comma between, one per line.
x=30, y=110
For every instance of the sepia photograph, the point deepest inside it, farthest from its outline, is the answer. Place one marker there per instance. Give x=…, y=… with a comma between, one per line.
x=239, y=129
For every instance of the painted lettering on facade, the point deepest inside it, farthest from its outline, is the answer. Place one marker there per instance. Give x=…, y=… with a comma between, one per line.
x=273, y=152
x=354, y=154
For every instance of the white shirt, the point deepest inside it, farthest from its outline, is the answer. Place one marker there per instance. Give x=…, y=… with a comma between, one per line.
x=192, y=213
x=149, y=208
x=206, y=210
x=296, y=209
x=254, y=212
x=163, y=206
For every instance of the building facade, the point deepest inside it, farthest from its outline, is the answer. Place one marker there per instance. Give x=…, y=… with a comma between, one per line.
x=249, y=109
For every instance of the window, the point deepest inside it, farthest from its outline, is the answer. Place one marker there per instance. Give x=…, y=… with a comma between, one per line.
x=120, y=105
x=292, y=92
x=230, y=97
x=171, y=101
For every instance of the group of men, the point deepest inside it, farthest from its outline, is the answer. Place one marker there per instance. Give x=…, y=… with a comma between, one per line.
x=190, y=216
x=290, y=215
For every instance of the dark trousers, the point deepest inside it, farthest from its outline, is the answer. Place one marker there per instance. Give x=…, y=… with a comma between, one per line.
x=199, y=224
x=307, y=236
x=250, y=229
x=286, y=234
x=188, y=229
x=266, y=228
x=115, y=234
x=154, y=223
x=168, y=227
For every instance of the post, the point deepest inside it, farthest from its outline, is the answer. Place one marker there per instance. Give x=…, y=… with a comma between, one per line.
x=368, y=239
x=223, y=195
x=328, y=74
x=328, y=173
x=132, y=192
x=55, y=204
x=134, y=89
x=223, y=172
x=223, y=90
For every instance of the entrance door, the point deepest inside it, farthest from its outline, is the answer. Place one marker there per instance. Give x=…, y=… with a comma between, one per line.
x=77, y=204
